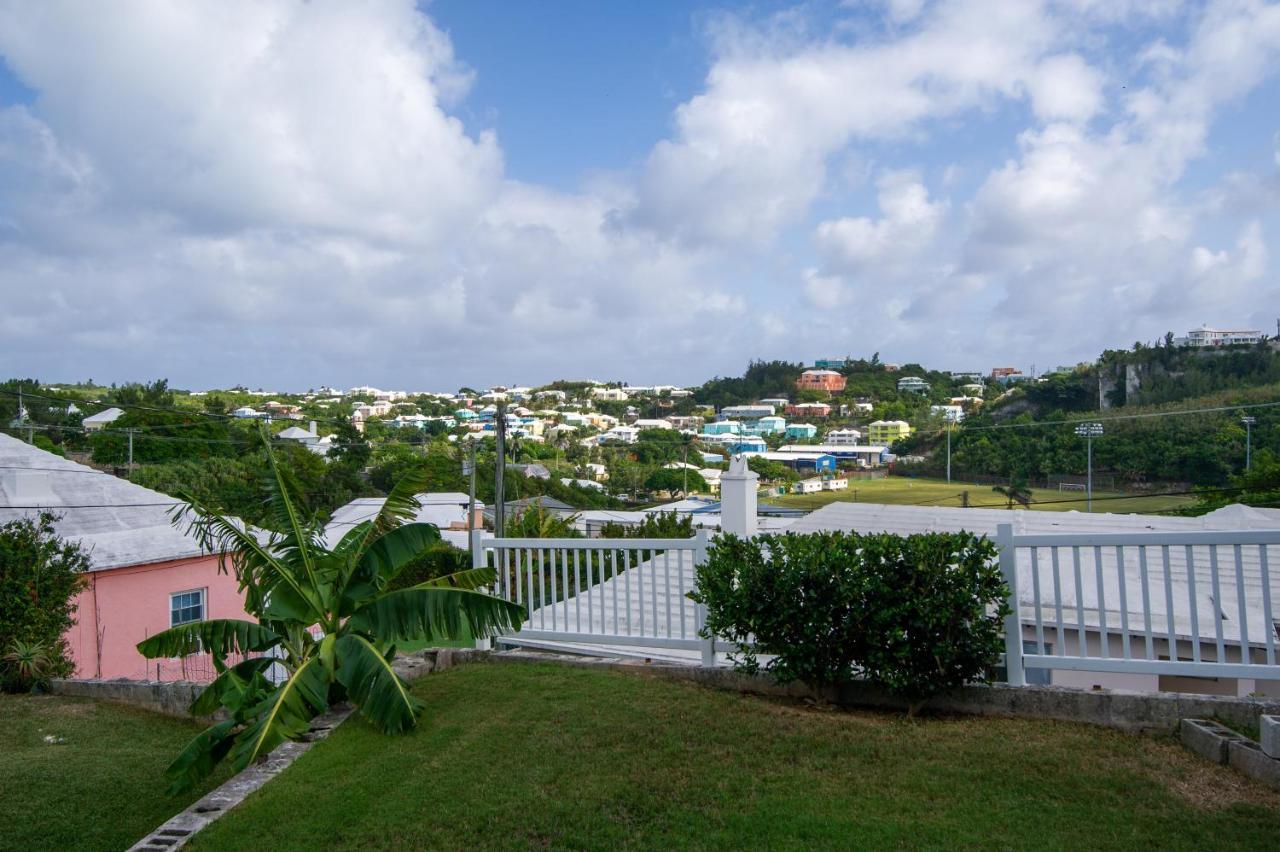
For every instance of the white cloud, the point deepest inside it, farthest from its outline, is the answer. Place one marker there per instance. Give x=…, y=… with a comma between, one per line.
x=907, y=227
x=1066, y=87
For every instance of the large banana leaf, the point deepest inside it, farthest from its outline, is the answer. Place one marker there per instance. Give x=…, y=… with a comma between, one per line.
x=229, y=686
x=387, y=555
x=286, y=714
x=198, y=758
x=382, y=696
x=426, y=612
x=219, y=637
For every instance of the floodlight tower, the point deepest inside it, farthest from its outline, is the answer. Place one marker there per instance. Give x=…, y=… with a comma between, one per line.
x=1089, y=431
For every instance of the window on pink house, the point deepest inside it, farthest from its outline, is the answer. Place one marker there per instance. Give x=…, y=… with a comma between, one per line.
x=186, y=607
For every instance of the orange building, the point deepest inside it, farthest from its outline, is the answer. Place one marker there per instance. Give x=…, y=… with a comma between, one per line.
x=821, y=380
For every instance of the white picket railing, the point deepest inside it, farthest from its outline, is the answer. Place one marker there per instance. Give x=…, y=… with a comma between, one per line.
x=1194, y=604
x=601, y=592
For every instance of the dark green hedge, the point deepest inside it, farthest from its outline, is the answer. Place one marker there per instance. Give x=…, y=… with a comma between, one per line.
x=916, y=614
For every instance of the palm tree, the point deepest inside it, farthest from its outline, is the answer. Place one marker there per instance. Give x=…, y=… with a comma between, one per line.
x=324, y=614
x=1015, y=492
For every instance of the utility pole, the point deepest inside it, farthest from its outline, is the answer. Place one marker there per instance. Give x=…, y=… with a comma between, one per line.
x=471, y=492
x=1089, y=431
x=499, y=506
x=948, y=452
x=1248, y=440
x=130, y=431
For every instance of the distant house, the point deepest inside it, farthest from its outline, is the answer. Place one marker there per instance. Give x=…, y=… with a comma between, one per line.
x=1206, y=336
x=949, y=413
x=610, y=394
x=307, y=437
x=746, y=412
x=722, y=427
x=145, y=574
x=830, y=363
x=815, y=462
x=809, y=409
x=748, y=444
x=621, y=435
x=644, y=423
x=801, y=431
x=769, y=426
x=887, y=431
x=913, y=384
x=821, y=380
x=847, y=437
x=246, y=412
x=101, y=420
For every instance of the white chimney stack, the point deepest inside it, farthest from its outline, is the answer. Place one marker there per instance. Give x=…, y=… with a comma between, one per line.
x=738, y=498
x=312, y=427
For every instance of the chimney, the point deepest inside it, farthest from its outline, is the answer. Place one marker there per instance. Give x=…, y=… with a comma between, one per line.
x=312, y=427
x=738, y=498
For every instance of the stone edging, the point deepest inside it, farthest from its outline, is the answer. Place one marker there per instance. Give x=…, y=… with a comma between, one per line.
x=1127, y=711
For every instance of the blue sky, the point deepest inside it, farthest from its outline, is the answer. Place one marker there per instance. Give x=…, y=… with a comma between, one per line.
x=426, y=195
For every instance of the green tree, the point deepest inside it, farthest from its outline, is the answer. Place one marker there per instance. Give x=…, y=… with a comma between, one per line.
x=674, y=481
x=329, y=615
x=40, y=575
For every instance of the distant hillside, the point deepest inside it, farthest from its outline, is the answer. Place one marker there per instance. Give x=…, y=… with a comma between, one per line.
x=1153, y=444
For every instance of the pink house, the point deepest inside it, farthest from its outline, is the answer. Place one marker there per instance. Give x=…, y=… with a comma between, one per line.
x=145, y=574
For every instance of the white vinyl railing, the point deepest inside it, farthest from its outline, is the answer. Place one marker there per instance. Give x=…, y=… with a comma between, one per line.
x=600, y=592
x=1193, y=604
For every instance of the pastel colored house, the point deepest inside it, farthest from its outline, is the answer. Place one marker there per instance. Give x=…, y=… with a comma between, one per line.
x=144, y=576
x=723, y=427
x=809, y=409
x=801, y=431
x=887, y=431
x=913, y=384
x=821, y=380
x=748, y=444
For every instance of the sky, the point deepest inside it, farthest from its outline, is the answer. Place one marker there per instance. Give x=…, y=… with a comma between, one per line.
x=290, y=194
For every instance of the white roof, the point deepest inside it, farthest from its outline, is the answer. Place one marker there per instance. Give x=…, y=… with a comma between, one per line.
x=296, y=433
x=118, y=523
x=108, y=416
x=829, y=449
x=438, y=507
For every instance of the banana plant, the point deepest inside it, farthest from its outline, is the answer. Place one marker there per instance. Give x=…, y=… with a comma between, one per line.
x=324, y=614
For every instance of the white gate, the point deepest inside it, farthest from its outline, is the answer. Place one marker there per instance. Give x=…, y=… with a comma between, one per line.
x=1196, y=604
x=601, y=592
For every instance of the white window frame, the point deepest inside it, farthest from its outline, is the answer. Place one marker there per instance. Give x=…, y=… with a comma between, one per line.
x=204, y=606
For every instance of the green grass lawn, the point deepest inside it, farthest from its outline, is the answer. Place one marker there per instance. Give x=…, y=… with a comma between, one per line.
x=936, y=492
x=518, y=756
x=102, y=788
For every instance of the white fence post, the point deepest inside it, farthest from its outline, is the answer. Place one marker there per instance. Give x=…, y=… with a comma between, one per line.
x=478, y=561
x=699, y=558
x=1012, y=621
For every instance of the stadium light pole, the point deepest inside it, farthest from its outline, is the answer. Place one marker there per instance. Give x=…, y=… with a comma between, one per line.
x=948, y=451
x=1089, y=431
x=1248, y=440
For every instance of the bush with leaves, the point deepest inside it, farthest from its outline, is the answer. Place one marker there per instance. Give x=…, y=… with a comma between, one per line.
x=916, y=615
x=40, y=575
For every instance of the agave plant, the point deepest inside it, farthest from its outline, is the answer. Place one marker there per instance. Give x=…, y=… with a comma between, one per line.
x=30, y=663
x=324, y=614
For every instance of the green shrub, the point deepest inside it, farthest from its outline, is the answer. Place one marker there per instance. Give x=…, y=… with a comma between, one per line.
x=39, y=577
x=916, y=615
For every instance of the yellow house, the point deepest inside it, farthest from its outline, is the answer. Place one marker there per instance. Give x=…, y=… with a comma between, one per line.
x=885, y=432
